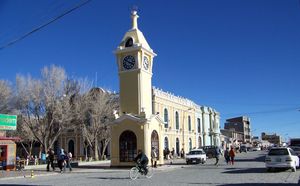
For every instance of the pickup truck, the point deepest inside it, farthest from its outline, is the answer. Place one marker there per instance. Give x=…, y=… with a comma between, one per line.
x=196, y=156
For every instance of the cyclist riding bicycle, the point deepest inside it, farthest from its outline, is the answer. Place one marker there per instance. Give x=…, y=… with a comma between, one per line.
x=143, y=160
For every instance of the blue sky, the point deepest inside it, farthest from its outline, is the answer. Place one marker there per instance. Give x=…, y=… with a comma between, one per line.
x=241, y=57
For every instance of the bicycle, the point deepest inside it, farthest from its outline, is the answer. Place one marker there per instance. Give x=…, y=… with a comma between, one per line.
x=20, y=167
x=136, y=171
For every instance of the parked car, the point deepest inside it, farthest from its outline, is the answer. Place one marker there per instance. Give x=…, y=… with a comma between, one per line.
x=296, y=149
x=243, y=149
x=196, y=156
x=256, y=148
x=210, y=151
x=282, y=157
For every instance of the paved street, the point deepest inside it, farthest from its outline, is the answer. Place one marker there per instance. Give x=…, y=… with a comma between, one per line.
x=248, y=170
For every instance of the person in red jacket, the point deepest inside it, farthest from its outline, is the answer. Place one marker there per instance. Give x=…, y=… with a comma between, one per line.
x=232, y=154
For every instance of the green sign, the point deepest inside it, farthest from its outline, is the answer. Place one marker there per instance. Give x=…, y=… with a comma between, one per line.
x=8, y=122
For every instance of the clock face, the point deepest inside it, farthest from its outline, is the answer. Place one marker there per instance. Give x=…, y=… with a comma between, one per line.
x=146, y=63
x=128, y=62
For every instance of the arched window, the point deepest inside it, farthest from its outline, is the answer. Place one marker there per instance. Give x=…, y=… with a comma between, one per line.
x=166, y=143
x=200, y=141
x=166, y=118
x=189, y=123
x=71, y=146
x=177, y=120
x=127, y=142
x=199, y=125
x=129, y=42
x=177, y=146
x=190, y=144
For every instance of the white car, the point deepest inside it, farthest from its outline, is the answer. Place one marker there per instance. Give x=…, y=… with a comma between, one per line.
x=256, y=148
x=296, y=150
x=282, y=157
x=196, y=156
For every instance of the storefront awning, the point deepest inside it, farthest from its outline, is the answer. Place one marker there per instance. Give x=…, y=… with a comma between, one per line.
x=10, y=138
x=6, y=142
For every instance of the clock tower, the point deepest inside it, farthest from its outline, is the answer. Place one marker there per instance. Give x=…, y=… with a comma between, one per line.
x=135, y=62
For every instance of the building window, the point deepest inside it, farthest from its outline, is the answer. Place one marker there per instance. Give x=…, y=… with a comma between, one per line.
x=166, y=118
x=129, y=42
x=200, y=141
x=177, y=120
x=128, y=146
x=71, y=147
x=166, y=143
x=177, y=146
x=189, y=123
x=199, y=125
x=190, y=144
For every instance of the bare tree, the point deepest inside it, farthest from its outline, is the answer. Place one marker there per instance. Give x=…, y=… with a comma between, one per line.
x=5, y=96
x=96, y=110
x=45, y=104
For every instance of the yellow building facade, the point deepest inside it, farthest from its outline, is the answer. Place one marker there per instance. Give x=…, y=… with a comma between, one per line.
x=150, y=117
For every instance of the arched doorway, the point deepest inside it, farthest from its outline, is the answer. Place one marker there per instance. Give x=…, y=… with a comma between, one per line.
x=155, y=142
x=166, y=147
x=71, y=146
x=177, y=146
x=127, y=146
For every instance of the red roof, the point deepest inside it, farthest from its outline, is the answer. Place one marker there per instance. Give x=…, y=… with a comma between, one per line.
x=10, y=138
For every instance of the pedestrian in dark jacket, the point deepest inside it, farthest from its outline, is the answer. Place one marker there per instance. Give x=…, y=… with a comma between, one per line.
x=50, y=159
x=217, y=154
x=226, y=155
x=61, y=160
x=143, y=159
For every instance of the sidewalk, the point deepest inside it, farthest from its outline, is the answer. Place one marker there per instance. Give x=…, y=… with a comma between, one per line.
x=40, y=170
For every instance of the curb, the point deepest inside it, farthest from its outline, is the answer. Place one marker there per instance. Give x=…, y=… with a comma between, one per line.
x=27, y=176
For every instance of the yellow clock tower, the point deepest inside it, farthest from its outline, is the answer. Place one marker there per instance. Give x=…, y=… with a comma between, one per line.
x=135, y=61
x=136, y=127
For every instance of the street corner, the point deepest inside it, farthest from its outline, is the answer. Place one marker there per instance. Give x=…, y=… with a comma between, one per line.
x=28, y=174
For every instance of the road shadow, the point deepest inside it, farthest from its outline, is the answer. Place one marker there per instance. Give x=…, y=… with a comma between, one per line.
x=261, y=158
x=244, y=171
x=258, y=184
x=18, y=185
x=110, y=178
x=101, y=167
x=253, y=170
x=177, y=163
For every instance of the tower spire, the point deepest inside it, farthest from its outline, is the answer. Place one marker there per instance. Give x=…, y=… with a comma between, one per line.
x=134, y=18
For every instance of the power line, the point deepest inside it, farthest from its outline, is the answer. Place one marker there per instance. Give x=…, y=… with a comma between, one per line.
x=44, y=25
x=265, y=111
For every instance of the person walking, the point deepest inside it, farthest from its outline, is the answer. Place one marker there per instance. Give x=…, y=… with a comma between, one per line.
x=153, y=157
x=182, y=153
x=50, y=159
x=217, y=154
x=226, y=155
x=69, y=159
x=232, y=155
x=61, y=160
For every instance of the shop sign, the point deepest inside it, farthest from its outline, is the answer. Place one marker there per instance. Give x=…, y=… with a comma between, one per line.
x=8, y=122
